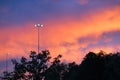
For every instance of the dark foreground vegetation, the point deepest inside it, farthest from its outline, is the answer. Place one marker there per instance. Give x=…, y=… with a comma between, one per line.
x=95, y=66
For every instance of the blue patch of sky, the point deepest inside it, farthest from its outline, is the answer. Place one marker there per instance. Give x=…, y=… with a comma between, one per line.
x=19, y=12
x=22, y=11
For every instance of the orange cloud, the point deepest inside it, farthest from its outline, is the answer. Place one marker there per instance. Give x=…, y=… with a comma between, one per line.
x=20, y=40
x=94, y=23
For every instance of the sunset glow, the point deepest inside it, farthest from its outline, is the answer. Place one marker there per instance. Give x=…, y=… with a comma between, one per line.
x=71, y=27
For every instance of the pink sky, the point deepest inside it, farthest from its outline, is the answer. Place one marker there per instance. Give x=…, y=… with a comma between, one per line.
x=62, y=36
x=71, y=29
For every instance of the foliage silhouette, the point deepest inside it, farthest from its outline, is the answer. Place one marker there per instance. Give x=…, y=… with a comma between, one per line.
x=92, y=67
x=95, y=66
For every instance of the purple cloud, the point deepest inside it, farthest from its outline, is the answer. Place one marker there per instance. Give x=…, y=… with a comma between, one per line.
x=110, y=39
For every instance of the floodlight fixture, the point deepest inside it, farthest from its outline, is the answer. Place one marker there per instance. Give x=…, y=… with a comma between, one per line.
x=38, y=25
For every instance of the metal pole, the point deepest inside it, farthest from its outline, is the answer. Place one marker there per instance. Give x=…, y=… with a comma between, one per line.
x=6, y=62
x=38, y=38
x=39, y=25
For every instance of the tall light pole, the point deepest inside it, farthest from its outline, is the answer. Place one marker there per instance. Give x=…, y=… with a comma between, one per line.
x=6, y=62
x=38, y=25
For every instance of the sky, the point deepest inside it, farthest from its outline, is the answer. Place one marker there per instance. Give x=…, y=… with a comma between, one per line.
x=71, y=28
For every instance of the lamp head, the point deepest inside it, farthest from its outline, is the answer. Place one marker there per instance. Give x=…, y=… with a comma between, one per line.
x=38, y=25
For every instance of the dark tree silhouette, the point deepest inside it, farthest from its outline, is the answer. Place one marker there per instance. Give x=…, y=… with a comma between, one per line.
x=95, y=66
x=112, y=67
x=71, y=72
x=57, y=68
x=33, y=69
x=92, y=67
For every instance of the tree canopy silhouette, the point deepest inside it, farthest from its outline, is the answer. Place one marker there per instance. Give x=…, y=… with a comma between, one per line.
x=95, y=66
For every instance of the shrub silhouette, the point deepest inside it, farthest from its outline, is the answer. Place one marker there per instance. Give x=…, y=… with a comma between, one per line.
x=95, y=66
